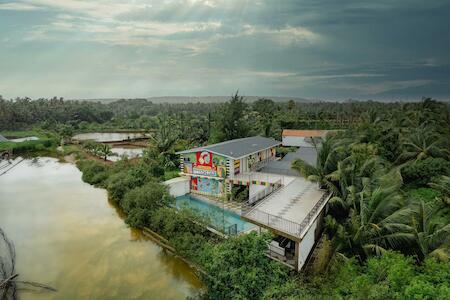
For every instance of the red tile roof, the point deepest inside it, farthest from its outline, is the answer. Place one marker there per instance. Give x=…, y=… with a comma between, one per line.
x=304, y=133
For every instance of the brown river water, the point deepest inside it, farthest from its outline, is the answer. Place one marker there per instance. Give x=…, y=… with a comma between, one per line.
x=69, y=236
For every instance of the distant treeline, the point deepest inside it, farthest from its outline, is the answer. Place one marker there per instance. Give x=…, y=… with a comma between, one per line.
x=269, y=116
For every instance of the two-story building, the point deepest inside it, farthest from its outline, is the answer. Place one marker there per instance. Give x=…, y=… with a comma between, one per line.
x=289, y=206
x=214, y=168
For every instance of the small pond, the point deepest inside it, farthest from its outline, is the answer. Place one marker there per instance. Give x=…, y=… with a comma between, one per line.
x=108, y=136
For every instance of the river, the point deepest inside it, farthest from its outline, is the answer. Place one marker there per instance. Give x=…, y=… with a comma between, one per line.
x=69, y=236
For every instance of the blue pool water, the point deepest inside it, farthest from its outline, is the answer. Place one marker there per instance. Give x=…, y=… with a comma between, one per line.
x=222, y=219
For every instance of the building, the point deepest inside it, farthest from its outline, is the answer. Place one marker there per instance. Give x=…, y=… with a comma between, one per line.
x=289, y=206
x=301, y=138
x=213, y=169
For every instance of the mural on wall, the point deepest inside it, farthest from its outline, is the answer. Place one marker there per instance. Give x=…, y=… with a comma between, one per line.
x=237, y=166
x=207, y=185
x=205, y=163
x=254, y=159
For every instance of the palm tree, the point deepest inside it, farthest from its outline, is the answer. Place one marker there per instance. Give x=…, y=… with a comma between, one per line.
x=430, y=233
x=325, y=164
x=421, y=144
x=442, y=184
x=166, y=136
x=104, y=150
x=373, y=227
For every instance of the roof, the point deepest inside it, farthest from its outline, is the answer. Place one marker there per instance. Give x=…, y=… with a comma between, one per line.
x=3, y=139
x=304, y=133
x=239, y=147
x=284, y=166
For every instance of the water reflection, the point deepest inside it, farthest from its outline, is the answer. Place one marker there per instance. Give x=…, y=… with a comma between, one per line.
x=108, y=136
x=129, y=152
x=69, y=236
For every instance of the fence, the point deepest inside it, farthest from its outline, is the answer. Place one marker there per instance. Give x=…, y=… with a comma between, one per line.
x=287, y=226
x=313, y=212
x=264, y=193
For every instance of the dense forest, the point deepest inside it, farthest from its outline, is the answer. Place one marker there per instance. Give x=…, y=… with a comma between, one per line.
x=266, y=116
x=387, y=233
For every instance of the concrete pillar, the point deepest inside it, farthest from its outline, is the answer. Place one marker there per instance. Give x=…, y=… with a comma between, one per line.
x=297, y=255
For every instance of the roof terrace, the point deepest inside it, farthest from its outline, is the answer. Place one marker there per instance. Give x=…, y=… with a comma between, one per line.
x=291, y=209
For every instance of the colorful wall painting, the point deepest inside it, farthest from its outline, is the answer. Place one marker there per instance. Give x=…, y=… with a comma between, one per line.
x=237, y=166
x=205, y=163
x=207, y=186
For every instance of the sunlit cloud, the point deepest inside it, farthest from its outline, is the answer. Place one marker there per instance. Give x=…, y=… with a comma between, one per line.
x=107, y=48
x=17, y=6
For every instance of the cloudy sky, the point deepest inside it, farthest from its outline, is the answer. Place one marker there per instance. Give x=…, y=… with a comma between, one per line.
x=317, y=49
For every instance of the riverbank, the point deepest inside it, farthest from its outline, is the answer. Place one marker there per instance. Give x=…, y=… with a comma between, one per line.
x=67, y=234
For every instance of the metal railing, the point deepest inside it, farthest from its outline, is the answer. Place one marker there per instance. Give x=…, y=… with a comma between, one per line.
x=313, y=212
x=264, y=193
x=257, y=176
x=275, y=222
x=287, y=226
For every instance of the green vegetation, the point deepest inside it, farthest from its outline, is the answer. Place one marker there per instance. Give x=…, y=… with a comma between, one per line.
x=98, y=149
x=388, y=276
x=388, y=226
x=41, y=146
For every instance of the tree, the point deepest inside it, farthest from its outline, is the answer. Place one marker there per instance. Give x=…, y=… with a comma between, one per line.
x=266, y=109
x=442, y=184
x=231, y=122
x=325, y=164
x=65, y=132
x=431, y=233
x=139, y=203
x=373, y=225
x=104, y=150
x=164, y=140
x=421, y=144
x=239, y=269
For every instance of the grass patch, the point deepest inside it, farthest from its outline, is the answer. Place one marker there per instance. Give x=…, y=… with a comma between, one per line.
x=171, y=174
x=22, y=133
x=29, y=146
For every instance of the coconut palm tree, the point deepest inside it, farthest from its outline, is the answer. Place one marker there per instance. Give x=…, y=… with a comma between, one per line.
x=421, y=144
x=442, y=184
x=325, y=164
x=373, y=227
x=430, y=233
x=104, y=150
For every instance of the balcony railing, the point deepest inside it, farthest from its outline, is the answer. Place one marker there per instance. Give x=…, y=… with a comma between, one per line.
x=264, y=193
x=283, y=225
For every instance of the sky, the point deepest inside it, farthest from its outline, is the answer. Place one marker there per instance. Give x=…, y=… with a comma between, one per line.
x=316, y=49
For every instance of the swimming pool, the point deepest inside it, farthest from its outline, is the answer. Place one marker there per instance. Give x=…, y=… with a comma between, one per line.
x=221, y=219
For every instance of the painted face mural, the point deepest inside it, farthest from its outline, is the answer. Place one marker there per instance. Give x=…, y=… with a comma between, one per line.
x=208, y=164
x=204, y=159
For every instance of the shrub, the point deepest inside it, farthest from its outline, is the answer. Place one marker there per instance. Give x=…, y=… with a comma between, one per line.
x=239, y=269
x=94, y=172
x=421, y=172
x=141, y=202
x=426, y=195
